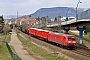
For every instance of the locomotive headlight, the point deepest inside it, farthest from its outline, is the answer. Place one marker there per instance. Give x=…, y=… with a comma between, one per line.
x=74, y=42
x=69, y=41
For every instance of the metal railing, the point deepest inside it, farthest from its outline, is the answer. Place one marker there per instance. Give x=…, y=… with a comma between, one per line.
x=13, y=55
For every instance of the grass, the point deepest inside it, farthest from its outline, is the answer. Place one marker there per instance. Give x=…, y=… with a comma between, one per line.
x=38, y=51
x=4, y=54
x=2, y=36
x=85, y=37
x=8, y=38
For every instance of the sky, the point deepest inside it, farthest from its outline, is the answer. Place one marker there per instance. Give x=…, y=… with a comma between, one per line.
x=25, y=7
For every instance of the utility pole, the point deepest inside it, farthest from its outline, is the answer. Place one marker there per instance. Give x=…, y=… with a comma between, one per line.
x=59, y=23
x=17, y=14
x=17, y=21
x=17, y=17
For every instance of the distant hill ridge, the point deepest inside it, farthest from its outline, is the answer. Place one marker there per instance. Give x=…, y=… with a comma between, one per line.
x=56, y=11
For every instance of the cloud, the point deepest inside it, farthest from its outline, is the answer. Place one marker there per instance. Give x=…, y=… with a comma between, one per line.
x=14, y=1
x=30, y=6
x=31, y=3
x=34, y=3
x=2, y=3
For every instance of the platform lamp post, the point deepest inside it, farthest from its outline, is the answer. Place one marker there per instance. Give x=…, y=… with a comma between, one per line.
x=77, y=9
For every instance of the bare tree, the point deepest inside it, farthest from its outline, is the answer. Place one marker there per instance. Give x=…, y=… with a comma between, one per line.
x=6, y=29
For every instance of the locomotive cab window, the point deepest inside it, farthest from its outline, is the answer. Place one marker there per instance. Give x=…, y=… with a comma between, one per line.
x=71, y=38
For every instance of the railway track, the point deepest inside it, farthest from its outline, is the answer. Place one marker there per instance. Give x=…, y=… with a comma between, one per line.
x=79, y=53
x=82, y=51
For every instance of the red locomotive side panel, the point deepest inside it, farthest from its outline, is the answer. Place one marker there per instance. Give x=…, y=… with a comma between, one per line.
x=60, y=39
x=57, y=38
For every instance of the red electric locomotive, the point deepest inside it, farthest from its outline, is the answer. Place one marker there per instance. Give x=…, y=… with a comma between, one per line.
x=63, y=39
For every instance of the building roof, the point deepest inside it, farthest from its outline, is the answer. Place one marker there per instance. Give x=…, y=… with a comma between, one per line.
x=33, y=20
x=23, y=19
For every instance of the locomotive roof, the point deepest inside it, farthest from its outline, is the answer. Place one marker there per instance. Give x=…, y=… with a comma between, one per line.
x=61, y=34
x=57, y=33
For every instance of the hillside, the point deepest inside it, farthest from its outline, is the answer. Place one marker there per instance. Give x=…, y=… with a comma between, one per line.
x=56, y=11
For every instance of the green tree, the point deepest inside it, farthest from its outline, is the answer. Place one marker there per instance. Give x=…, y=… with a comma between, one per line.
x=1, y=24
x=38, y=18
x=43, y=23
x=87, y=29
x=11, y=26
